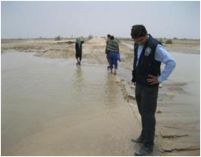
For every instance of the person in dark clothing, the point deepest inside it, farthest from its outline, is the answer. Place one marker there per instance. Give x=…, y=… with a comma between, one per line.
x=78, y=49
x=146, y=74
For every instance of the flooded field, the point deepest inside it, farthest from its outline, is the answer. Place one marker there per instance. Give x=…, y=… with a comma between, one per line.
x=186, y=82
x=179, y=106
x=53, y=107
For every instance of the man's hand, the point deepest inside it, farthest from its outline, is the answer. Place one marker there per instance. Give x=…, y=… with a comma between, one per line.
x=133, y=80
x=133, y=76
x=152, y=79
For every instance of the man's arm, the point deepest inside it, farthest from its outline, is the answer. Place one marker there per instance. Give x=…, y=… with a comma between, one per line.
x=163, y=56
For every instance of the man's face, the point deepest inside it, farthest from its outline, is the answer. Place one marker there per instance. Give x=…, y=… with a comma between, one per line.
x=140, y=40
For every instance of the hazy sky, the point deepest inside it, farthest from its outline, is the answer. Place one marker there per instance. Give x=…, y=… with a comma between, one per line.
x=49, y=19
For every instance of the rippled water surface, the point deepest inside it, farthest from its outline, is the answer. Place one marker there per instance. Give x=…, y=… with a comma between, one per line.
x=45, y=101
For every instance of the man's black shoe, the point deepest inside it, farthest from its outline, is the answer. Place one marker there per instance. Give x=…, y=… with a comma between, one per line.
x=138, y=140
x=144, y=150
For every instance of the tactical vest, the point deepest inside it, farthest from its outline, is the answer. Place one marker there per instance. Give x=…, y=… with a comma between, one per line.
x=147, y=65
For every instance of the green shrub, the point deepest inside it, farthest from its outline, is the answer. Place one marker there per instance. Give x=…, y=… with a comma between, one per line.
x=57, y=38
x=161, y=40
x=169, y=41
x=90, y=37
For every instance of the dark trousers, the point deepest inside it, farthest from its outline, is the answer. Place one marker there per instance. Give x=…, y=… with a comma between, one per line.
x=113, y=58
x=78, y=56
x=108, y=59
x=146, y=97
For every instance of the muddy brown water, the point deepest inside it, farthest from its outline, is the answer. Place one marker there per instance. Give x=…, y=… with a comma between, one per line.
x=180, y=117
x=187, y=75
x=53, y=107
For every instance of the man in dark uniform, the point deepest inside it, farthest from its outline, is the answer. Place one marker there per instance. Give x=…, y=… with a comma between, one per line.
x=148, y=56
x=78, y=49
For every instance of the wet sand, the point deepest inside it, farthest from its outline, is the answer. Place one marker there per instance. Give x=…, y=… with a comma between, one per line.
x=174, y=116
